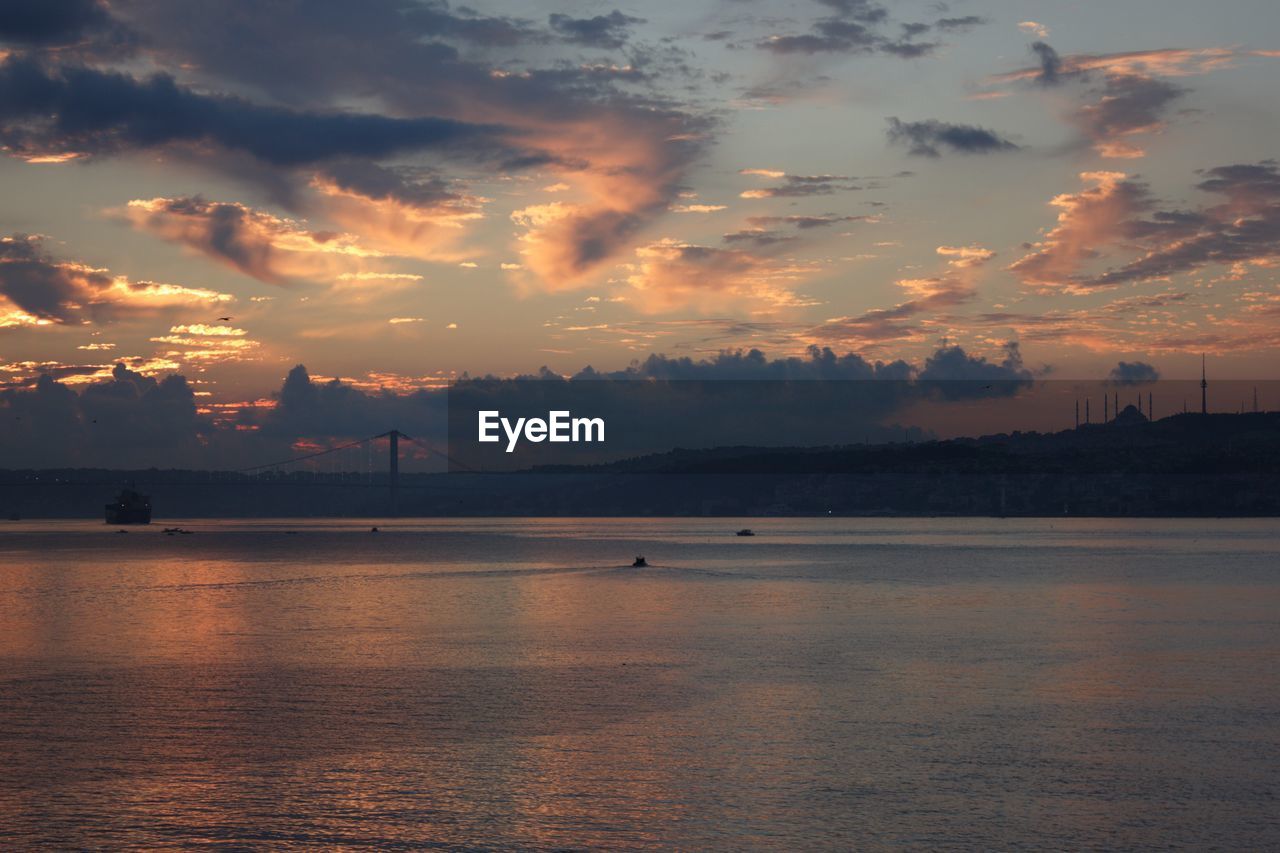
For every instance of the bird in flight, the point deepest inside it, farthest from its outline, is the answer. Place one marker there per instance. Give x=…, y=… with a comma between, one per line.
x=224, y=319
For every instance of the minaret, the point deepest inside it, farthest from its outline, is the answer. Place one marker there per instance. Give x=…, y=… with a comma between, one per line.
x=1204, y=388
x=1150, y=411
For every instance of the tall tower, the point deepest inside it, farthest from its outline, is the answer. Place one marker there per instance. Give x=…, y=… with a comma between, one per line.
x=1204, y=388
x=393, y=471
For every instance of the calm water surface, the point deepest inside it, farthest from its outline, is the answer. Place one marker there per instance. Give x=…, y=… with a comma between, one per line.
x=829, y=683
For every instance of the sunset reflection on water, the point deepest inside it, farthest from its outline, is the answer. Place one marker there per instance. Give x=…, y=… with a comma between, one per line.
x=832, y=683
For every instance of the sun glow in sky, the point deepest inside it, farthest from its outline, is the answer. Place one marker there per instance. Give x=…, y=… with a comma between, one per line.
x=400, y=191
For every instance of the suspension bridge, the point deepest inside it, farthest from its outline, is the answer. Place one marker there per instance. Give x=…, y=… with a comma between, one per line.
x=353, y=463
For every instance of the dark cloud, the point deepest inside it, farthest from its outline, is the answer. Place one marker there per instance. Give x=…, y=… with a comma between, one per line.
x=1244, y=229
x=134, y=420
x=1132, y=373
x=759, y=237
x=626, y=150
x=798, y=186
x=130, y=420
x=413, y=186
x=1050, y=63
x=1127, y=104
x=603, y=31
x=961, y=24
x=909, y=49
x=35, y=283
x=50, y=22
x=317, y=410
x=928, y=138
x=866, y=11
x=954, y=374
x=855, y=26
x=834, y=35
x=820, y=363
x=52, y=290
x=470, y=26
x=805, y=223
x=81, y=109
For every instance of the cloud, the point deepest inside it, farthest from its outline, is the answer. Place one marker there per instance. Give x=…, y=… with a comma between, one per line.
x=1132, y=373
x=960, y=24
x=1088, y=219
x=906, y=320
x=820, y=363
x=797, y=186
x=266, y=247
x=44, y=290
x=1242, y=230
x=128, y=420
x=1163, y=62
x=928, y=138
x=867, y=11
x=805, y=223
x=124, y=417
x=670, y=274
x=67, y=28
x=50, y=22
x=624, y=154
x=1132, y=98
x=1129, y=105
x=954, y=374
x=1050, y=63
x=403, y=211
x=206, y=330
x=467, y=25
x=1035, y=29
x=47, y=110
x=603, y=31
x=759, y=237
x=853, y=27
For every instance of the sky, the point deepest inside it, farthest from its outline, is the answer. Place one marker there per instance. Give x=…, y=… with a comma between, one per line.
x=198, y=197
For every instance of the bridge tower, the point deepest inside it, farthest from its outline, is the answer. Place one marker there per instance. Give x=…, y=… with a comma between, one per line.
x=393, y=471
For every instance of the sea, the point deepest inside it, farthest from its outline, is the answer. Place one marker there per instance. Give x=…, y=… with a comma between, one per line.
x=829, y=683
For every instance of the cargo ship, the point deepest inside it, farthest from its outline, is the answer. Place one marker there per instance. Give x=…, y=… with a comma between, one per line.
x=129, y=507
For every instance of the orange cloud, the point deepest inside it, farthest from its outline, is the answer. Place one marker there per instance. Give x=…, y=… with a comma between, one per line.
x=267, y=247
x=36, y=289
x=1090, y=218
x=430, y=230
x=670, y=274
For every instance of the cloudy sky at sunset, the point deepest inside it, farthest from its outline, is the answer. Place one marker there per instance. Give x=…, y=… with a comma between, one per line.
x=398, y=191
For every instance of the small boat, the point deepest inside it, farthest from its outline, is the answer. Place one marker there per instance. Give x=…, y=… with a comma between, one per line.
x=640, y=563
x=746, y=531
